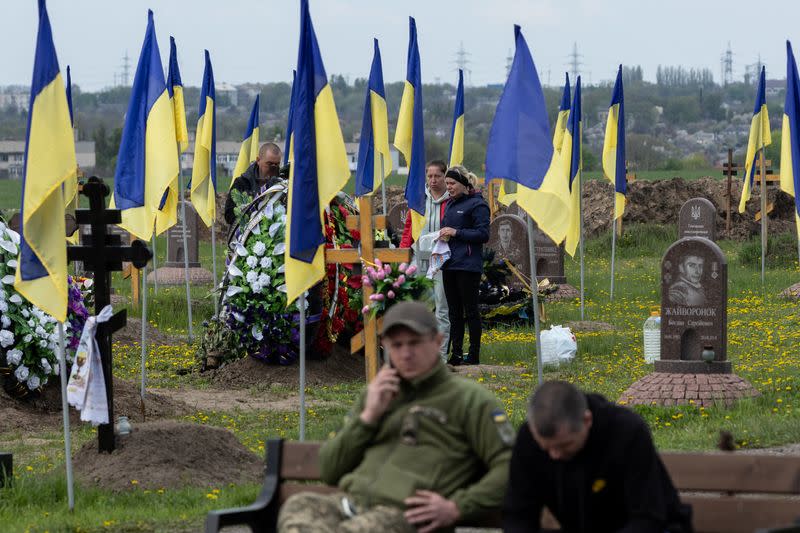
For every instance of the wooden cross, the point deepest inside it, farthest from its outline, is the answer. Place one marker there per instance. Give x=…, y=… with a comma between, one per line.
x=366, y=223
x=729, y=170
x=103, y=253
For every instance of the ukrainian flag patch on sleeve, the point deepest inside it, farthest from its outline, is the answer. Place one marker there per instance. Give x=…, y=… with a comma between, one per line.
x=504, y=428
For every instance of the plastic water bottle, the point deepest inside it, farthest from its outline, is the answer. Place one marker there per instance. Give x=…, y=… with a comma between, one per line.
x=652, y=337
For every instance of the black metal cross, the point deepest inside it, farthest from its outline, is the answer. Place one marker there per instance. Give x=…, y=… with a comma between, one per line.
x=102, y=254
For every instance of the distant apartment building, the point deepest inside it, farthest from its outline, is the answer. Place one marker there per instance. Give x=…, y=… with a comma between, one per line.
x=15, y=96
x=12, y=158
x=352, y=158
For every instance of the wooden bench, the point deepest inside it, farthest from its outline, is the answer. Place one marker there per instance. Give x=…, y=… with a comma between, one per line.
x=729, y=492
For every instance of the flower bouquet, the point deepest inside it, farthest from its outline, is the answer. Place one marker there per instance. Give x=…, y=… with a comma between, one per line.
x=28, y=337
x=393, y=283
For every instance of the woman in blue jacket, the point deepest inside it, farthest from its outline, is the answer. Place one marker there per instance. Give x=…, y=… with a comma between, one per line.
x=466, y=226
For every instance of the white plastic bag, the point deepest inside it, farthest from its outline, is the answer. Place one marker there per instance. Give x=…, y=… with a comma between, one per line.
x=558, y=345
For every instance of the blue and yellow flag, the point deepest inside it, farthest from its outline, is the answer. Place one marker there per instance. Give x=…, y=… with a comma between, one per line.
x=204, y=171
x=457, y=131
x=571, y=153
x=760, y=136
x=508, y=189
x=71, y=185
x=249, y=150
x=614, y=147
x=319, y=168
x=147, y=162
x=522, y=150
x=374, y=145
x=49, y=162
x=790, y=135
x=408, y=137
x=167, y=215
x=288, y=141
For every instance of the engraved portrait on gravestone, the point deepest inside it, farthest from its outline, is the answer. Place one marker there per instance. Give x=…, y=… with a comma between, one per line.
x=509, y=247
x=688, y=289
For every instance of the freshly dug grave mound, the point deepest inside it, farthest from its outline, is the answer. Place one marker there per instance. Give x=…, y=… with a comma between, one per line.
x=168, y=454
x=340, y=367
x=44, y=411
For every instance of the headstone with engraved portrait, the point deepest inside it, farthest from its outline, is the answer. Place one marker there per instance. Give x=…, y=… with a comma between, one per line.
x=175, y=251
x=396, y=220
x=694, y=320
x=698, y=218
x=508, y=238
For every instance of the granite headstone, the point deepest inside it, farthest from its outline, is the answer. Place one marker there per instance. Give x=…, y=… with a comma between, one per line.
x=698, y=218
x=175, y=251
x=508, y=237
x=694, y=296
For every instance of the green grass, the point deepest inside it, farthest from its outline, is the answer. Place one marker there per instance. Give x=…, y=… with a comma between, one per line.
x=763, y=337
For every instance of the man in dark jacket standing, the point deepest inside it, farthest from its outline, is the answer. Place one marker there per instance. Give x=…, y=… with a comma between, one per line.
x=593, y=465
x=263, y=173
x=465, y=226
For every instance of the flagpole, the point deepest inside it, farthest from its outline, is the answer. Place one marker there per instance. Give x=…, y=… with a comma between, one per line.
x=62, y=367
x=155, y=264
x=580, y=210
x=763, y=214
x=535, y=291
x=214, y=261
x=301, y=305
x=182, y=201
x=144, y=334
x=613, y=251
x=383, y=186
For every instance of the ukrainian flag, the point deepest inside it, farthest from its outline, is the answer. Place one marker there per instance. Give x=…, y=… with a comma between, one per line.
x=319, y=168
x=204, y=171
x=520, y=148
x=374, y=144
x=508, y=189
x=614, y=147
x=167, y=215
x=408, y=137
x=571, y=155
x=457, y=131
x=790, y=136
x=71, y=185
x=249, y=150
x=760, y=136
x=147, y=161
x=287, y=144
x=49, y=162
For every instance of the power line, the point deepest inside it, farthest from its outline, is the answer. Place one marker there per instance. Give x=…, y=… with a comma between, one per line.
x=575, y=62
x=462, y=60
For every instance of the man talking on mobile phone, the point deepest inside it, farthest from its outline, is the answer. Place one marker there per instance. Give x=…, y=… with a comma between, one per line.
x=421, y=450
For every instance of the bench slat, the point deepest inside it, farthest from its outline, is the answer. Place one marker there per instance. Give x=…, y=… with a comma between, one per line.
x=734, y=472
x=741, y=514
x=300, y=461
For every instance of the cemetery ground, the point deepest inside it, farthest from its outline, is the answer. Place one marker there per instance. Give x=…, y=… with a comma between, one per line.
x=763, y=336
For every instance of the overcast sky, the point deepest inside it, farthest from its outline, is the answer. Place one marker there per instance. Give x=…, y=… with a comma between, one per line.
x=256, y=40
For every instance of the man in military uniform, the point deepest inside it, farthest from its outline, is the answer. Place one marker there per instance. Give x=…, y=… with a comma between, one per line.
x=688, y=290
x=421, y=450
x=263, y=173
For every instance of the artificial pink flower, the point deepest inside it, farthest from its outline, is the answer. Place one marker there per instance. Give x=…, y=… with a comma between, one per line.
x=380, y=274
x=365, y=310
x=378, y=263
x=366, y=282
x=390, y=294
x=402, y=267
x=387, y=268
x=401, y=279
x=410, y=270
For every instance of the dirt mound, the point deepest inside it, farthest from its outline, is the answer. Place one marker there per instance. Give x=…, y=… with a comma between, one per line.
x=340, y=367
x=44, y=411
x=791, y=293
x=168, y=454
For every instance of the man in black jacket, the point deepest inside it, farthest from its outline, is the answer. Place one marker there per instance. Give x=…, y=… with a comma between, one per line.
x=264, y=172
x=593, y=465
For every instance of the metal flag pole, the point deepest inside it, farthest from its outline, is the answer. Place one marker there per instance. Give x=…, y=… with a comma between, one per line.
x=214, y=262
x=144, y=333
x=535, y=291
x=182, y=200
x=301, y=305
x=155, y=264
x=383, y=186
x=62, y=367
x=580, y=214
x=613, y=251
x=763, y=214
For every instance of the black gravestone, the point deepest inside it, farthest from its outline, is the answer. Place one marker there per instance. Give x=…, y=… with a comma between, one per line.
x=694, y=317
x=508, y=237
x=698, y=218
x=175, y=252
x=549, y=258
x=396, y=219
